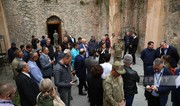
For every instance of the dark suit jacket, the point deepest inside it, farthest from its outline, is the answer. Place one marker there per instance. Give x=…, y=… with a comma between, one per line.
x=46, y=66
x=51, y=51
x=159, y=52
x=64, y=45
x=134, y=42
x=80, y=67
x=172, y=51
x=28, y=90
x=90, y=62
x=163, y=90
x=70, y=40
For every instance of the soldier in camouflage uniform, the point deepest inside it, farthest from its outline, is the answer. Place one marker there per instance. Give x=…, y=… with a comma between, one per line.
x=118, y=49
x=113, y=86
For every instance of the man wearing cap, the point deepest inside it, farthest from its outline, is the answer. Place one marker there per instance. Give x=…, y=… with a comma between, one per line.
x=118, y=48
x=11, y=51
x=113, y=86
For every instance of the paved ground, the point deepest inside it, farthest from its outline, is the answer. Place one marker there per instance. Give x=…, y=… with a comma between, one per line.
x=139, y=100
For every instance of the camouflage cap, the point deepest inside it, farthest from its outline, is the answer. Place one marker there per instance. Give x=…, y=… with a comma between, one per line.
x=118, y=67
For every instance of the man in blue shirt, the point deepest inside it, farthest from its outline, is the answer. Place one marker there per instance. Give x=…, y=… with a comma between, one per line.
x=35, y=72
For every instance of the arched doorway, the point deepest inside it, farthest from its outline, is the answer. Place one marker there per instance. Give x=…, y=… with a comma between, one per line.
x=54, y=23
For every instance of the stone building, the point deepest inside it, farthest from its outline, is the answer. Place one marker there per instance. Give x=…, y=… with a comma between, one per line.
x=151, y=19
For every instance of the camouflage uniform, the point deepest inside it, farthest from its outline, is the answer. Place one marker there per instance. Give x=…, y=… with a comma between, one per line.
x=113, y=91
x=118, y=48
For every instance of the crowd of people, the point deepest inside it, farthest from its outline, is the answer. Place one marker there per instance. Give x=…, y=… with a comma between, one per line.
x=87, y=64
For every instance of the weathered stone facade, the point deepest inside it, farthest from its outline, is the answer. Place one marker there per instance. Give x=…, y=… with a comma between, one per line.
x=28, y=17
x=151, y=19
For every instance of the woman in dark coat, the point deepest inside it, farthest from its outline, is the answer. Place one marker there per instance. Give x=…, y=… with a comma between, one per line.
x=95, y=89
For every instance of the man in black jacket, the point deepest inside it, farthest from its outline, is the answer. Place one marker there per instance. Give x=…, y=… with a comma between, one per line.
x=148, y=55
x=172, y=51
x=127, y=42
x=51, y=49
x=27, y=87
x=133, y=46
x=130, y=78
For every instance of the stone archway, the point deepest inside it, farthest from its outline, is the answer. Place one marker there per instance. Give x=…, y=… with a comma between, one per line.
x=54, y=23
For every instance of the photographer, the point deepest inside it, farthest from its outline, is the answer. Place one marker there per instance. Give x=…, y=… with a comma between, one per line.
x=34, y=42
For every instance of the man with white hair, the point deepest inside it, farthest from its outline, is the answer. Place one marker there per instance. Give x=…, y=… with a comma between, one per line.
x=130, y=78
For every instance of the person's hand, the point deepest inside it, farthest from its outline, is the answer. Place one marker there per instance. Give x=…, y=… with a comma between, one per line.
x=72, y=83
x=54, y=92
x=73, y=72
x=52, y=62
x=148, y=88
x=97, y=54
x=122, y=103
x=154, y=88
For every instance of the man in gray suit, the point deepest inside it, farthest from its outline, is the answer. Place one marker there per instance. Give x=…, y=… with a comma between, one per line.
x=62, y=78
x=46, y=63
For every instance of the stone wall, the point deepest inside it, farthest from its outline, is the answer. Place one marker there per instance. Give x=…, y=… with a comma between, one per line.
x=28, y=17
x=172, y=23
x=128, y=15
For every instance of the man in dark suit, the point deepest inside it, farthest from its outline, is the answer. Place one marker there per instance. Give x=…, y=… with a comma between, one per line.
x=72, y=39
x=46, y=63
x=64, y=44
x=27, y=87
x=127, y=42
x=133, y=46
x=172, y=52
x=80, y=69
x=156, y=90
x=51, y=49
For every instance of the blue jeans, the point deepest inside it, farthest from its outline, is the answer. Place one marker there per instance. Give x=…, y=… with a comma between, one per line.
x=129, y=100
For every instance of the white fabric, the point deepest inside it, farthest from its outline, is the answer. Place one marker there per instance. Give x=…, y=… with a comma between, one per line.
x=26, y=74
x=107, y=67
x=177, y=81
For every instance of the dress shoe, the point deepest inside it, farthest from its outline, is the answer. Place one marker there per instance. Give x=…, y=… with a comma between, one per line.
x=83, y=94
